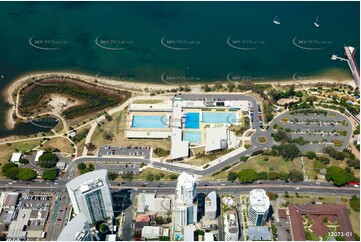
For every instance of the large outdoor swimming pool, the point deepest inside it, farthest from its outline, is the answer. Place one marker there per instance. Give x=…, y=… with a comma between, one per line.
x=219, y=117
x=145, y=121
x=192, y=121
x=192, y=136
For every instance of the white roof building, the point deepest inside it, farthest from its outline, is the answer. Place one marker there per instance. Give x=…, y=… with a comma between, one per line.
x=16, y=228
x=150, y=232
x=90, y=195
x=189, y=233
x=210, y=205
x=76, y=230
x=110, y=237
x=38, y=154
x=15, y=157
x=148, y=202
x=179, y=148
x=137, y=107
x=61, y=165
x=216, y=138
x=209, y=236
x=186, y=189
x=231, y=227
x=142, y=134
x=258, y=207
x=177, y=113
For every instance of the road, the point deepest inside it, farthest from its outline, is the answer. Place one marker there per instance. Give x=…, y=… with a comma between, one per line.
x=206, y=187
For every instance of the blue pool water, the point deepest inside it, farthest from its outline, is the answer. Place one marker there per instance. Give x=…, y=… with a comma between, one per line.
x=192, y=136
x=142, y=121
x=192, y=121
x=219, y=117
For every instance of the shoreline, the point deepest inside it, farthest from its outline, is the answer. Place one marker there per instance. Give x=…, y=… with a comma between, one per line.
x=141, y=87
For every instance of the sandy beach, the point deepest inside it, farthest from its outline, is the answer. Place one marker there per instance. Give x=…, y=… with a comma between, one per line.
x=134, y=86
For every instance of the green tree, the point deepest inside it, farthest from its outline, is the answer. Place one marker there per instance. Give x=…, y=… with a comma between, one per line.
x=299, y=94
x=103, y=227
x=12, y=173
x=112, y=176
x=127, y=176
x=23, y=161
x=247, y=176
x=243, y=158
x=232, y=176
x=311, y=155
x=8, y=166
x=150, y=177
x=26, y=174
x=288, y=151
x=262, y=175
x=295, y=176
x=47, y=160
x=173, y=176
x=338, y=175
x=159, y=220
x=272, y=196
x=50, y=174
x=81, y=166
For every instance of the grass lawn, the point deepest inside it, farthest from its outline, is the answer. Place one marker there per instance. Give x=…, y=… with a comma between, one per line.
x=258, y=164
x=116, y=127
x=147, y=101
x=62, y=144
x=143, y=175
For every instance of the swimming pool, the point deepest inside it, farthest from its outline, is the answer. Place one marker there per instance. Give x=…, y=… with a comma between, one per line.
x=145, y=121
x=219, y=117
x=192, y=136
x=192, y=121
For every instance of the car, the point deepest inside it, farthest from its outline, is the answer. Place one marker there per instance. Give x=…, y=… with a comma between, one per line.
x=297, y=188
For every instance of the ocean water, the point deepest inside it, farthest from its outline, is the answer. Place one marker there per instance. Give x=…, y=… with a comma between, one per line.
x=175, y=42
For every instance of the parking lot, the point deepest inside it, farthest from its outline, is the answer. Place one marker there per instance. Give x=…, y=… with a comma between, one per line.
x=127, y=151
x=317, y=129
x=119, y=167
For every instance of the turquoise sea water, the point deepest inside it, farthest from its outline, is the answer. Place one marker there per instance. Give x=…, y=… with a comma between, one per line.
x=174, y=42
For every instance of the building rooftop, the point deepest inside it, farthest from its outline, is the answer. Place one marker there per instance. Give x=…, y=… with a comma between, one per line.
x=88, y=181
x=179, y=148
x=189, y=233
x=146, y=202
x=296, y=212
x=231, y=222
x=209, y=236
x=216, y=138
x=259, y=233
x=151, y=232
x=38, y=154
x=15, y=157
x=110, y=237
x=11, y=199
x=259, y=200
x=211, y=201
x=76, y=229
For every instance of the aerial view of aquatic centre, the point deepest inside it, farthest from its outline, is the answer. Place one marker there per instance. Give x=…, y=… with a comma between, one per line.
x=180, y=121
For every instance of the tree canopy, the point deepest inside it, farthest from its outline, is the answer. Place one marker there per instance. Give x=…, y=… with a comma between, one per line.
x=47, y=160
x=338, y=175
x=26, y=174
x=50, y=174
x=247, y=176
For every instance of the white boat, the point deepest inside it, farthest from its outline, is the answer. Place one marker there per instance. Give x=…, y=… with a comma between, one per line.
x=316, y=23
x=276, y=20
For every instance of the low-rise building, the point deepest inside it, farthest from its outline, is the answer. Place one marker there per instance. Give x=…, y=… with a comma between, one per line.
x=38, y=154
x=231, y=227
x=189, y=233
x=61, y=165
x=216, y=138
x=259, y=233
x=209, y=237
x=151, y=233
x=15, y=157
x=149, y=202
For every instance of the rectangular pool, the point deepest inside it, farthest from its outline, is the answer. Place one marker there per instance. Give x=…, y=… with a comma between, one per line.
x=192, y=121
x=192, y=136
x=219, y=117
x=145, y=121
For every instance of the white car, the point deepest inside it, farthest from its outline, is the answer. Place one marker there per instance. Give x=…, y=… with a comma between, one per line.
x=297, y=188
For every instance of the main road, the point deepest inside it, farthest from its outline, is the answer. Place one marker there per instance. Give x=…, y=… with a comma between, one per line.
x=168, y=187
